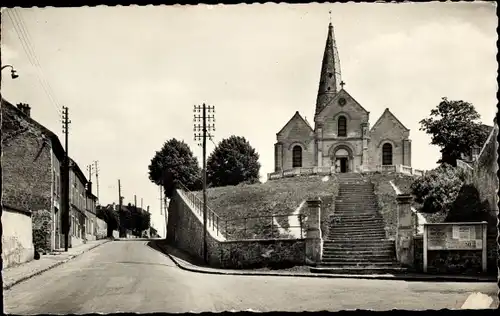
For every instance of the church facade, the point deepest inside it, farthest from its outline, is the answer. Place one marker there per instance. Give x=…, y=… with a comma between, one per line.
x=341, y=136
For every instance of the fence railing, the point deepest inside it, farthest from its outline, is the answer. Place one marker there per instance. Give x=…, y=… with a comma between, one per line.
x=250, y=227
x=306, y=171
x=213, y=220
x=282, y=226
x=406, y=169
x=387, y=168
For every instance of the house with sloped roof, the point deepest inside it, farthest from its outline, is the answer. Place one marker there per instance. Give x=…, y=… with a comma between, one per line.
x=32, y=158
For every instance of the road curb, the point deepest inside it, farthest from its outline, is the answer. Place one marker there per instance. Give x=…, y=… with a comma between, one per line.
x=433, y=278
x=29, y=276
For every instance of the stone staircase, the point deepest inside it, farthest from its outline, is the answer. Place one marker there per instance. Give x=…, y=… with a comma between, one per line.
x=356, y=242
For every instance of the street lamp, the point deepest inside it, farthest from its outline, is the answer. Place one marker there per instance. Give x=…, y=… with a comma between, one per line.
x=13, y=72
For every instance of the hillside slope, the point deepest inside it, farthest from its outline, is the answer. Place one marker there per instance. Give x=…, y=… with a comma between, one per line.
x=386, y=196
x=276, y=197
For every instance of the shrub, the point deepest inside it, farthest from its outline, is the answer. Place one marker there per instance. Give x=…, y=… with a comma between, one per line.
x=42, y=227
x=438, y=189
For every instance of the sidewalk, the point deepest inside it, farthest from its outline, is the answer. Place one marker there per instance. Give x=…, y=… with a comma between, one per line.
x=17, y=274
x=186, y=262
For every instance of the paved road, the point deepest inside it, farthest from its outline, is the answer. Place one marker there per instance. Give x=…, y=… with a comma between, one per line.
x=128, y=276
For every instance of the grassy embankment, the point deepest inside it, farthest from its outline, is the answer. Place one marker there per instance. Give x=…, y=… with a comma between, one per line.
x=276, y=197
x=386, y=197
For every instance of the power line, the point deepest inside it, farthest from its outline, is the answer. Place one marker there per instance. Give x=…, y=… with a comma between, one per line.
x=201, y=133
x=29, y=54
x=32, y=46
x=28, y=41
x=29, y=51
x=212, y=140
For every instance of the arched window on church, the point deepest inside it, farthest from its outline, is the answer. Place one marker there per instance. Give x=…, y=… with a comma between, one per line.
x=342, y=127
x=297, y=157
x=387, y=154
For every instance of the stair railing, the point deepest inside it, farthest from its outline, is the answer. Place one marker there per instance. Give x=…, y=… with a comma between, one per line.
x=213, y=220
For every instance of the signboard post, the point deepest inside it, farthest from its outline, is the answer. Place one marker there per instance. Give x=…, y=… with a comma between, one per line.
x=455, y=236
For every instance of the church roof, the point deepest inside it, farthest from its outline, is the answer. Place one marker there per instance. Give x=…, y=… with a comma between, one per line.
x=295, y=117
x=330, y=77
x=388, y=113
x=342, y=93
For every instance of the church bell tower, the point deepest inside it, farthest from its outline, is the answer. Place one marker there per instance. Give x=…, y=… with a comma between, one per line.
x=330, y=78
x=329, y=85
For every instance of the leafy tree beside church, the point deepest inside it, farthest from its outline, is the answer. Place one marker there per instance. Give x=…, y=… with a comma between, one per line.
x=233, y=161
x=454, y=126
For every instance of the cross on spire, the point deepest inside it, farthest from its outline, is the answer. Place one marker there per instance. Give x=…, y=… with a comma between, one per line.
x=330, y=14
x=342, y=84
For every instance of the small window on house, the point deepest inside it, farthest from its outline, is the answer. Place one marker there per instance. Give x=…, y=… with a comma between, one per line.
x=342, y=127
x=387, y=154
x=297, y=157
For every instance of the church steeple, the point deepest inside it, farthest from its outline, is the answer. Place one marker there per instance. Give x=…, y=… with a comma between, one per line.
x=330, y=79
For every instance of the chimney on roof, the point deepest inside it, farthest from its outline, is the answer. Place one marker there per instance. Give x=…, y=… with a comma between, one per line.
x=25, y=108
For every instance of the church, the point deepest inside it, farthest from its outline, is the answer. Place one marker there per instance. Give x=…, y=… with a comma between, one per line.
x=341, y=137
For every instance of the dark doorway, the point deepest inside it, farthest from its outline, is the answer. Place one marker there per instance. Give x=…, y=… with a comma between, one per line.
x=343, y=165
x=57, y=221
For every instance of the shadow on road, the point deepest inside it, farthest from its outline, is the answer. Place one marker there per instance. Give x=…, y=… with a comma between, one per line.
x=137, y=239
x=148, y=264
x=165, y=249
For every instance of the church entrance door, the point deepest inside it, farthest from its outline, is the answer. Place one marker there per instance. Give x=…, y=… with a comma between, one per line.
x=341, y=165
x=341, y=161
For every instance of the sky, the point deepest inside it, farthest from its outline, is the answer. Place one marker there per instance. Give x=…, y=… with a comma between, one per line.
x=130, y=76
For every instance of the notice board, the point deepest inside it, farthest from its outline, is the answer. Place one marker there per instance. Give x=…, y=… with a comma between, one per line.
x=455, y=237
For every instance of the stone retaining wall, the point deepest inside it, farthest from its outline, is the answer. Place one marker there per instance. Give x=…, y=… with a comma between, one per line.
x=185, y=232
x=249, y=254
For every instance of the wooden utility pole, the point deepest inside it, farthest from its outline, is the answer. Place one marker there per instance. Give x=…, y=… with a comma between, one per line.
x=141, y=203
x=205, y=129
x=135, y=200
x=97, y=178
x=65, y=185
x=120, y=208
x=165, y=214
x=161, y=208
x=119, y=196
x=89, y=169
x=161, y=201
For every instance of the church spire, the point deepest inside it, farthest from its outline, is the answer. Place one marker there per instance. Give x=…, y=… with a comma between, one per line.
x=330, y=78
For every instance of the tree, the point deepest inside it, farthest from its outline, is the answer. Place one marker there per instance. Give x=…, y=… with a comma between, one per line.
x=141, y=220
x=174, y=164
x=453, y=126
x=468, y=206
x=125, y=215
x=110, y=216
x=232, y=162
x=437, y=190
